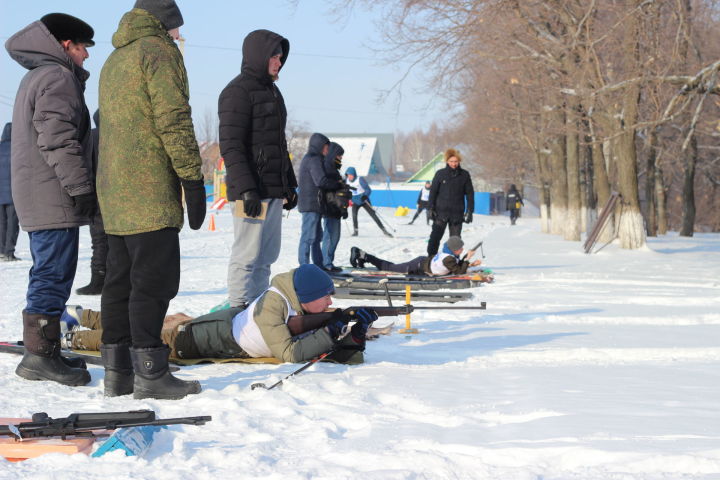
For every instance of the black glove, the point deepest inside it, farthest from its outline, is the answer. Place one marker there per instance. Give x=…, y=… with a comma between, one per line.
x=468, y=217
x=86, y=204
x=364, y=317
x=195, y=202
x=433, y=214
x=363, y=198
x=292, y=200
x=252, y=203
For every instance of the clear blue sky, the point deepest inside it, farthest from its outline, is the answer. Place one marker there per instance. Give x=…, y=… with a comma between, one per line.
x=330, y=82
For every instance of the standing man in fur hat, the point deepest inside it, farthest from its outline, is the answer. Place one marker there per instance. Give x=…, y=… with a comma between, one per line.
x=260, y=176
x=452, y=200
x=52, y=181
x=147, y=151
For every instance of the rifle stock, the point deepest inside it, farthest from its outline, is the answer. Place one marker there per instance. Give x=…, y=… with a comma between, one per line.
x=84, y=423
x=299, y=324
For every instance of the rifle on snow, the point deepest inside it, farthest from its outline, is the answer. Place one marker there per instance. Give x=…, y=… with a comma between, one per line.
x=82, y=424
x=304, y=323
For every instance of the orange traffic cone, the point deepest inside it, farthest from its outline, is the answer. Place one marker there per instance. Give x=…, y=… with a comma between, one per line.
x=211, y=226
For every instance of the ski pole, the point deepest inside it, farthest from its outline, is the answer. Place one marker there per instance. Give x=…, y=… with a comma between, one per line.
x=380, y=217
x=304, y=367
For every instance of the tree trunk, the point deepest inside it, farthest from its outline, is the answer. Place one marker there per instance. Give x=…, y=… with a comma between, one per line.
x=558, y=185
x=660, y=201
x=572, y=218
x=650, y=173
x=688, y=195
x=631, y=228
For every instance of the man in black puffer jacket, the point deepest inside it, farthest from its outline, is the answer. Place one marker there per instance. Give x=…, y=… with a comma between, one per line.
x=452, y=200
x=259, y=173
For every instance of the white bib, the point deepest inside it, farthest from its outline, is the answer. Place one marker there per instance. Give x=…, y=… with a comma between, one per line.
x=247, y=333
x=437, y=267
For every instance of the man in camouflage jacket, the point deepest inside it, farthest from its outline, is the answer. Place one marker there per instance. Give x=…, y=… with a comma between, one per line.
x=147, y=150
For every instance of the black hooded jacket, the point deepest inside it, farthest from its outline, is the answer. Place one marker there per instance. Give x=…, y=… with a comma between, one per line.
x=252, y=124
x=451, y=189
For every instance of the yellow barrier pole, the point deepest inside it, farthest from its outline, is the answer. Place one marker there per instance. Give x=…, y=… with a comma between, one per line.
x=408, y=328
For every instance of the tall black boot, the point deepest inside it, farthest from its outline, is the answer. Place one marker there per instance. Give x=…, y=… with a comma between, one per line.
x=97, y=280
x=119, y=376
x=42, y=360
x=153, y=378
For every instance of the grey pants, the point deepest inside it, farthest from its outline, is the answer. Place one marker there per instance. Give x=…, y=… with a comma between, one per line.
x=255, y=249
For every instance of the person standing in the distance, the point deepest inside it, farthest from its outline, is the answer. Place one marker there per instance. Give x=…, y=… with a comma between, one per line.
x=52, y=184
x=361, y=199
x=452, y=200
x=97, y=229
x=148, y=151
x=422, y=204
x=312, y=179
x=513, y=202
x=9, y=226
x=332, y=211
x=259, y=171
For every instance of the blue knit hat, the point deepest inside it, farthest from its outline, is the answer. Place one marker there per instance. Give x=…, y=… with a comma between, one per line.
x=311, y=283
x=351, y=171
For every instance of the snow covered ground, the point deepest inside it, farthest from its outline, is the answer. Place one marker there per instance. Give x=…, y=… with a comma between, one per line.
x=602, y=366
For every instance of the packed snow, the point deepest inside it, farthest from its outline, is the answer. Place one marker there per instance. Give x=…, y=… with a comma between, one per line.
x=584, y=366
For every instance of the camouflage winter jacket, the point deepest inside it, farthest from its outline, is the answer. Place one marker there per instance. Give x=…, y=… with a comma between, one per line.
x=147, y=142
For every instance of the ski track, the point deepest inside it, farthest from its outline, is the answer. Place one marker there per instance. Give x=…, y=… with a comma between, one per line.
x=599, y=366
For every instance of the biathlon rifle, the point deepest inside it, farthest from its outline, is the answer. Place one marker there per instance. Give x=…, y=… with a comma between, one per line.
x=479, y=245
x=312, y=321
x=83, y=424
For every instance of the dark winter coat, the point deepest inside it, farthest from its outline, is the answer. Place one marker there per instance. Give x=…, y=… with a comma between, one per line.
x=513, y=200
x=451, y=189
x=334, y=203
x=313, y=177
x=51, y=133
x=252, y=124
x=5, y=190
x=148, y=140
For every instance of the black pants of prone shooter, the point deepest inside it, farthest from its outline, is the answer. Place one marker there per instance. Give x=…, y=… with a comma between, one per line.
x=414, y=266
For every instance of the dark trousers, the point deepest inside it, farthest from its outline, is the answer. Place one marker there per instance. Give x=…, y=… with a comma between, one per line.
x=514, y=214
x=422, y=206
x=438, y=230
x=99, y=245
x=368, y=208
x=414, y=266
x=9, y=229
x=143, y=275
x=55, y=255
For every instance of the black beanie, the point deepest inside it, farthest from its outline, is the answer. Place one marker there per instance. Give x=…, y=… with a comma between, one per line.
x=66, y=27
x=166, y=11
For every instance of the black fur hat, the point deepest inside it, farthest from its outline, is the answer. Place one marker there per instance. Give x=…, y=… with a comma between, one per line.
x=67, y=27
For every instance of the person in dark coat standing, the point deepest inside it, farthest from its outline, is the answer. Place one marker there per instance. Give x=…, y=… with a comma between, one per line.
x=452, y=200
x=259, y=171
x=313, y=179
x=97, y=229
x=331, y=214
x=52, y=183
x=422, y=203
x=9, y=226
x=513, y=202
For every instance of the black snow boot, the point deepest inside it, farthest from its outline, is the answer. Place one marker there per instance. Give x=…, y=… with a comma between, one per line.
x=42, y=360
x=153, y=378
x=119, y=376
x=357, y=257
x=355, y=233
x=97, y=280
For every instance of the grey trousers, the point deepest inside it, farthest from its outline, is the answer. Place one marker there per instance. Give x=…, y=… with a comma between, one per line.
x=255, y=249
